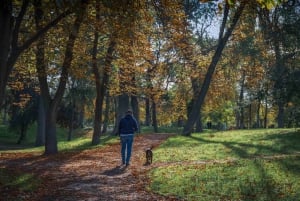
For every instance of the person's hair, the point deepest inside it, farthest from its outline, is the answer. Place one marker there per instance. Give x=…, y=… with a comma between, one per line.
x=129, y=112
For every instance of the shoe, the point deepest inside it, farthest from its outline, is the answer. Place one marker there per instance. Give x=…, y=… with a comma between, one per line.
x=127, y=164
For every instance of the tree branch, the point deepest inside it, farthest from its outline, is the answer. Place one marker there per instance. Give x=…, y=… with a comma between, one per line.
x=27, y=43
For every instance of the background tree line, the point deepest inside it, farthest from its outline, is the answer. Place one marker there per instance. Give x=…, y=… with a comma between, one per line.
x=83, y=62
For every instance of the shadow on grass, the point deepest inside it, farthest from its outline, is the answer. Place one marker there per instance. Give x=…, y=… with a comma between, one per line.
x=266, y=187
x=283, y=143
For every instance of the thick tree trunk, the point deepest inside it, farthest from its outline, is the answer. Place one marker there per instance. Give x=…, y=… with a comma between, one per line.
x=6, y=27
x=101, y=86
x=211, y=69
x=199, y=127
x=41, y=124
x=196, y=86
x=51, y=105
x=123, y=105
x=51, y=140
x=98, y=104
x=280, y=115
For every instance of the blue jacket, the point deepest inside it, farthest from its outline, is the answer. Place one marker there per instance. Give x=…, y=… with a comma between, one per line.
x=128, y=125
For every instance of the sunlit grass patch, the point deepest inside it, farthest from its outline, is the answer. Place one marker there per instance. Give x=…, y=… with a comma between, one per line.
x=246, y=179
x=231, y=165
x=228, y=144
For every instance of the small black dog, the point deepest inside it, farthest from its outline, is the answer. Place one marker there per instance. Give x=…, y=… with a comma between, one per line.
x=149, y=155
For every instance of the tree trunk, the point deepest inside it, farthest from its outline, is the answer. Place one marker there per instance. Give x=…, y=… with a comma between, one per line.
x=51, y=106
x=123, y=105
x=71, y=122
x=23, y=131
x=199, y=127
x=101, y=86
x=241, y=104
x=41, y=124
x=154, y=119
x=148, y=113
x=266, y=113
x=81, y=113
x=98, y=105
x=250, y=116
x=51, y=140
x=6, y=27
x=258, y=114
x=196, y=83
x=221, y=44
x=41, y=69
x=280, y=115
x=135, y=109
x=106, y=113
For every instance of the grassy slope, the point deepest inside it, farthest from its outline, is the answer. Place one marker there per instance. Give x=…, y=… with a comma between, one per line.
x=231, y=165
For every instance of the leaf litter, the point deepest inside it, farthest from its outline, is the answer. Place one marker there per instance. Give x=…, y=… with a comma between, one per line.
x=89, y=175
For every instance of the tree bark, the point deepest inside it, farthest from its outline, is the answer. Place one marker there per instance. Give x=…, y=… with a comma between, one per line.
x=135, y=109
x=154, y=119
x=41, y=124
x=266, y=112
x=98, y=105
x=148, y=114
x=101, y=85
x=106, y=113
x=6, y=27
x=241, y=104
x=123, y=105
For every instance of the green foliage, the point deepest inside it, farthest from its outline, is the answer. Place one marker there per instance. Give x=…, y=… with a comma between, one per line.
x=231, y=165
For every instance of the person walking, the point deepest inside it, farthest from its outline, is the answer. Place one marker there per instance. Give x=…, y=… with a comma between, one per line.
x=127, y=126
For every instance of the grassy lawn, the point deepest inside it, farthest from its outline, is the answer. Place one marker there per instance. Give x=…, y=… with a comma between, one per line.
x=233, y=165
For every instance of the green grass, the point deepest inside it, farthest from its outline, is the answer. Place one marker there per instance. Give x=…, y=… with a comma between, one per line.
x=20, y=181
x=233, y=165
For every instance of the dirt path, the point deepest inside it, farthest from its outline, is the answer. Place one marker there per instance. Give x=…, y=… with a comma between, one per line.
x=90, y=175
